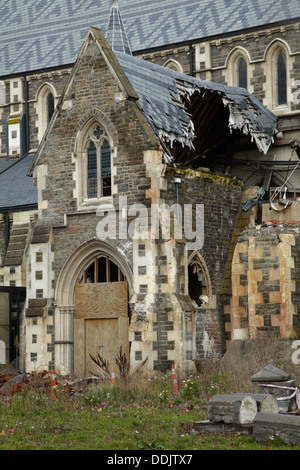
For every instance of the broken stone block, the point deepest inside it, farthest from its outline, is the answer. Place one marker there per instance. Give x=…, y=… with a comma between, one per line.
x=266, y=403
x=266, y=426
x=284, y=392
x=234, y=408
x=269, y=374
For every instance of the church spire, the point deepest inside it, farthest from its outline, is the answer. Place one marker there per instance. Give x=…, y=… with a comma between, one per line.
x=115, y=31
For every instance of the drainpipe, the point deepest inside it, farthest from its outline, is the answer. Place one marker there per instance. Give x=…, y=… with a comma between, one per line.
x=177, y=182
x=191, y=61
x=7, y=230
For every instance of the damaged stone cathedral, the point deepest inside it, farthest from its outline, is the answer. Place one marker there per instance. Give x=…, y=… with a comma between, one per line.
x=149, y=180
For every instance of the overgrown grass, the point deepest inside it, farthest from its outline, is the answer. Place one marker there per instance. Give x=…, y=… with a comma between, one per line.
x=138, y=415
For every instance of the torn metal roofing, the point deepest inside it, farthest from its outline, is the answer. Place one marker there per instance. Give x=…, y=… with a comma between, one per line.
x=39, y=34
x=195, y=113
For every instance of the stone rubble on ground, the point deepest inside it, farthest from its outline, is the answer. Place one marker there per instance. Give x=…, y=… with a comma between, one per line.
x=263, y=414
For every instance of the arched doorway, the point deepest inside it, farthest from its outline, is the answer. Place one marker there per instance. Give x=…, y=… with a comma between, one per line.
x=101, y=316
x=92, y=308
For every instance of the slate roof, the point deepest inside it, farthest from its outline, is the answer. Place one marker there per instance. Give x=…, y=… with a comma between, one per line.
x=115, y=32
x=16, y=188
x=163, y=94
x=38, y=34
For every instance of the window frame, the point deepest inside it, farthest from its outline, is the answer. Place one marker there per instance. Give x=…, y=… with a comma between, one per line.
x=270, y=57
x=239, y=79
x=231, y=66
x=197, y=267
x=86, y=136
x=100, y=178
x=281, y=76
x=42, y=107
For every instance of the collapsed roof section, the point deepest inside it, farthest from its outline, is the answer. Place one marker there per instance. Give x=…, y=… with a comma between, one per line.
x=196, y=114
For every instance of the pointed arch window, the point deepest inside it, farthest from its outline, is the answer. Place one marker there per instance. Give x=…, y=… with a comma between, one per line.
x=242, y=78
x=50, y=106
x=172, y=64
x=98, y=164
x=281, y=80
x=92, y=171
x=199, y=285
x=46, y=103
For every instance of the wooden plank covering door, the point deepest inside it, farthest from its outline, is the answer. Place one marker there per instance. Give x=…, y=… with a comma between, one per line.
x=101, y=336
x=109, y=298
x=100, y=325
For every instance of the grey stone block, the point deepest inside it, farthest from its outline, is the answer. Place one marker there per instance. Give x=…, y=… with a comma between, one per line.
x=236, y=409
x=270, y=374
x=266, y=403
x=267, y=426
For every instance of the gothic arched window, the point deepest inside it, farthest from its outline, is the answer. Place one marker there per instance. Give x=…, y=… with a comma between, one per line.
x=98, y=164
x=242, y=73
x=50, y=106
x=281, y=82
x=46, y=102
x=199, y=286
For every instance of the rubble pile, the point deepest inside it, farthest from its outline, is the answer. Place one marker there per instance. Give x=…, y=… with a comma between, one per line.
x=15, y=382
x=272, y=412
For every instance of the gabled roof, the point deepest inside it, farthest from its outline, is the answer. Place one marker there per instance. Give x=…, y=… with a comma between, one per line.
x=39, y=34
x=17, y=190
x=174, y=105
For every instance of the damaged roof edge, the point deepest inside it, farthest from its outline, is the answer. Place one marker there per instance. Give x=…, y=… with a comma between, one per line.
x=246, y=113
x=167, y=111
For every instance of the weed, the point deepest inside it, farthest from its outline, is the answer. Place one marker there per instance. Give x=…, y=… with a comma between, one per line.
x=191, y=389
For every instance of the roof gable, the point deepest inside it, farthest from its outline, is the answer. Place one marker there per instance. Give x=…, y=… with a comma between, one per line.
x=163, y=99
x=95, y=35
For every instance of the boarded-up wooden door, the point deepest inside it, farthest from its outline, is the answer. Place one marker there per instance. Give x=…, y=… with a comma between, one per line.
x=100, y=325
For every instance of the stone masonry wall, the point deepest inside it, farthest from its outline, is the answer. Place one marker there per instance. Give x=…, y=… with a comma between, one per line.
x=221, y=199
x=264, y=283
x=91, y=94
